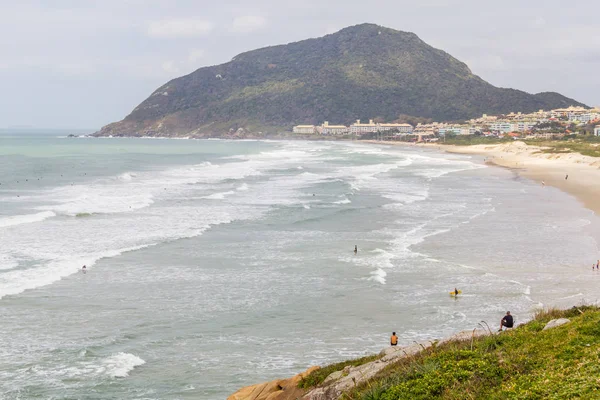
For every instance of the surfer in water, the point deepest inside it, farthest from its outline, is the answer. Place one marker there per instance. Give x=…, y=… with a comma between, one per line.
x=455, y=291
x=355, y=249
x=83, y=269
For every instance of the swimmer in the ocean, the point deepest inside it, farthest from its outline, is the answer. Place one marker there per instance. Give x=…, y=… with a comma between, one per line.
x=355, y=249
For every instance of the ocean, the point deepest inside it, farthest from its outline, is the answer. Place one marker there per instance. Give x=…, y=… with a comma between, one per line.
x=215, y=264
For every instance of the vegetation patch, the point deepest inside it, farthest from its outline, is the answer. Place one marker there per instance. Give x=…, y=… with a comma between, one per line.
x=585, y=145
x=524, y=363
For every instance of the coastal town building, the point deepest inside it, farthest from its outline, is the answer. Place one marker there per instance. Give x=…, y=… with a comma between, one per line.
x=566, y=112
x=501, y=126
x=400, y=129
x=516, y=124
x=305, y=129
x=597, y=130
x=327, y=129
x=584, y=118
x=359, y=128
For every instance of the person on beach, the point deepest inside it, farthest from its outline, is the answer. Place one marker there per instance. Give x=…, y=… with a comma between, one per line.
x=566, y=177
x=506, y=322
x=543, y=184
x=394, y=339
x=598, y=265
x=355, y=249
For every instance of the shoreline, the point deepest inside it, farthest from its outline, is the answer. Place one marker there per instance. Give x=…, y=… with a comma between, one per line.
x=550, y=169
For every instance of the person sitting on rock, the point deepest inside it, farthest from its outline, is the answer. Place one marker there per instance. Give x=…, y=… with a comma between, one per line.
x=394, y=339
x=506, y=322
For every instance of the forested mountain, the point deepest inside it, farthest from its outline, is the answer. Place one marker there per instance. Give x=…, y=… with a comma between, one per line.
x=364, y=71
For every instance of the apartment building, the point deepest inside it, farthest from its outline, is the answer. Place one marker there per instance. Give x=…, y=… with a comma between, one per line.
x=305, y=129
x=327, y=129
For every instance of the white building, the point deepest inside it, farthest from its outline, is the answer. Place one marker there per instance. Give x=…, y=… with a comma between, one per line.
x=566, y=112
x=327, y=129
x=456, y=130
x=305, y=129
x=584, y=118
x=503, y=127
x=522, y=126
x=401, y=129
x=360, y=129
x=597, y=130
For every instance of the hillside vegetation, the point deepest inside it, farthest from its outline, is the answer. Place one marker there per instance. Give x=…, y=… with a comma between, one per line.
x=524, y=363
x=364, y=71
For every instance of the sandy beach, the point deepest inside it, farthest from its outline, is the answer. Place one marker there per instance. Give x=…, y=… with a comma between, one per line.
x=572, y=173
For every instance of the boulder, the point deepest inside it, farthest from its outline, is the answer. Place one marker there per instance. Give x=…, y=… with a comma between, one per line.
x=556, y=322
x=279, y=389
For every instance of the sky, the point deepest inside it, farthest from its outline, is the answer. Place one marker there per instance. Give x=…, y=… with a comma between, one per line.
x=86, y=63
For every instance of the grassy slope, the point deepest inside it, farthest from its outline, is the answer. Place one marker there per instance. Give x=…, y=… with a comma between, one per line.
x=525, y=363
x=588, y=146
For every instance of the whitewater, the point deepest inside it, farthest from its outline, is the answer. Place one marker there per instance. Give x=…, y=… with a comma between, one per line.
x=212, y=265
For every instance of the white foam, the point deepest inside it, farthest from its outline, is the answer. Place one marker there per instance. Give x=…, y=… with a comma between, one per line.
x=218, y=196
x=378, y=276
x=121, y=364
x=25, y=219
x=7, y=262
x=242, y=188
x=17, y=281
x=127, y=176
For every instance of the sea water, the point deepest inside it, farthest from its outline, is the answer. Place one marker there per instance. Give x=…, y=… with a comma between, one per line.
x=214, y=264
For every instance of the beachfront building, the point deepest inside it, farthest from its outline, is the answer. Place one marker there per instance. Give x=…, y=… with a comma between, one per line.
x=451, y=130
x=305, y=129
x=400, y=129
x=425, y=129
x=327, y=129
x=359, y=128
x=597, y=130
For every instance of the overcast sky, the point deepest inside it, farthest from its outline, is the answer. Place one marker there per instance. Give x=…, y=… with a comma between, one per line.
x=84, y=63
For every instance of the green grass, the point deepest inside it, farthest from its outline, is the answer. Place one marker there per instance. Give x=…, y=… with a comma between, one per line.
x=588, y=146
x=469, y=140
x=525, y=363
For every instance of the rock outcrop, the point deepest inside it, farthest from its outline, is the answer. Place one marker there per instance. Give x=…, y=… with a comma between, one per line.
x=341, y=381
x=556, y=322
x=279, y=389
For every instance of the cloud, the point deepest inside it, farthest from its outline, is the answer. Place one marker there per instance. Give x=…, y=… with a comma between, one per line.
x=195, y=55
x=248, y=23
x=170, y=67
x=180, y=27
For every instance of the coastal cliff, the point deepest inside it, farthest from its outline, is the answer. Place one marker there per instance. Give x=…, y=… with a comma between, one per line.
x=534, y=360
x=363, y=71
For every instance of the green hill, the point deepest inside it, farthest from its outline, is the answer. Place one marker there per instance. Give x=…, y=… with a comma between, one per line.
x=364, y=71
